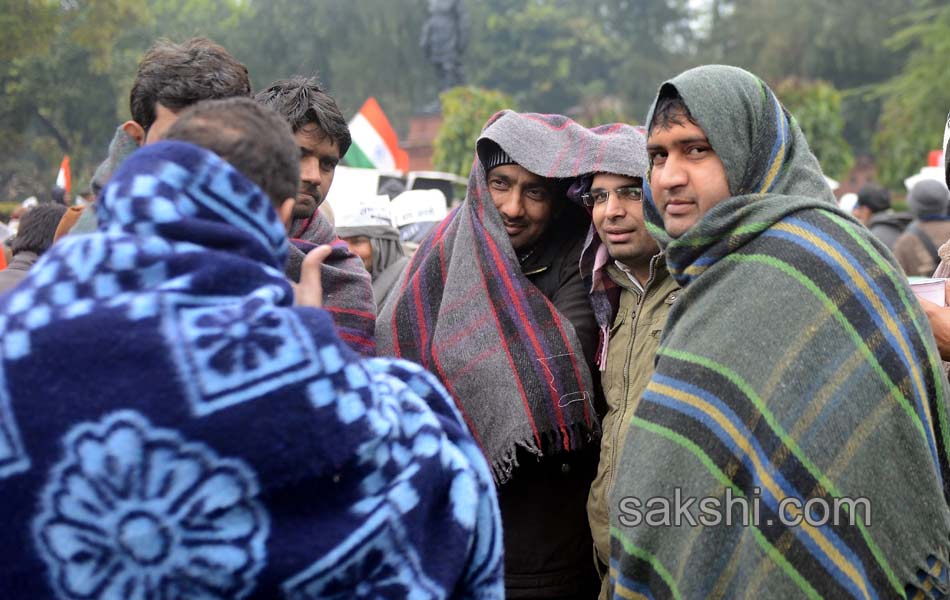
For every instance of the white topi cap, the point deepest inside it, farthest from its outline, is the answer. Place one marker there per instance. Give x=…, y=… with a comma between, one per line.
x=418, y=206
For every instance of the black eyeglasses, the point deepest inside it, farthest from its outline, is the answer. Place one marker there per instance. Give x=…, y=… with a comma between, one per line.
x=627, y=193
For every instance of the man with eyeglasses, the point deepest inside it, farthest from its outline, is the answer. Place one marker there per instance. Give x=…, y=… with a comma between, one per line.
x=631, y=293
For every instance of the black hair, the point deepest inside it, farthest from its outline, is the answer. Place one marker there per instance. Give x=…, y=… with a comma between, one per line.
x=670, y=110
x=301, y=100
x=179, y=75
x=37, y=227
x=253, y=138
x=875, y=197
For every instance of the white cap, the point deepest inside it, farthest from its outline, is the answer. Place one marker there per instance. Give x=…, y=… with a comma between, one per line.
x=848, y=201
x=418, y=206
x=366, y=212
x=935, y=173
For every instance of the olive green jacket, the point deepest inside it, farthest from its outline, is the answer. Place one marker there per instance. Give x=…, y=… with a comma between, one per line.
x=634, y=338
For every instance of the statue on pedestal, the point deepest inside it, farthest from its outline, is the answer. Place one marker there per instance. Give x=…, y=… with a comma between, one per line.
x=444, y=38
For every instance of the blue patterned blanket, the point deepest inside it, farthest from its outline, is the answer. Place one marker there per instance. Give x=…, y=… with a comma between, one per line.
x=171, y=427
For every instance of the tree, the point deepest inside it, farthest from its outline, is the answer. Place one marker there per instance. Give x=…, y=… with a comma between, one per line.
x=56, y=95
x=465, y=110
x=358, y=48
x=544, y=54
x=26, y=26
x=653, y=40
x=916, y=100
x=67, y=91
x=816, y=106
x=600, y=109
x=840, y=42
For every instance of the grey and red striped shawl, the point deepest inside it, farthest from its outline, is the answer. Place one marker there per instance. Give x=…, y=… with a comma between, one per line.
x=464, y=310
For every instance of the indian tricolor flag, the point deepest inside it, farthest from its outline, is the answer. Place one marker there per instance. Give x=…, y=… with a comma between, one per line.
x=375, y=145
x=64, y=177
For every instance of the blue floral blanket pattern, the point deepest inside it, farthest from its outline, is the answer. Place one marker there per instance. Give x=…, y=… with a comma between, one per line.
x=172, y=427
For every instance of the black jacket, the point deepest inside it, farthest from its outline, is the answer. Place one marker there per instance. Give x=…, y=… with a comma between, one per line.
x=548, y=545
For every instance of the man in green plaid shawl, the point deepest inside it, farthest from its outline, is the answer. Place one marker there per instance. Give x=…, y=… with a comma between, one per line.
x=796, y=370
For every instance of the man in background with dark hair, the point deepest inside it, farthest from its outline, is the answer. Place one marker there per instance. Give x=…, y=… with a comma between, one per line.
x=33, y=238
x=320, y=131
x=916, y=248
x=873, y=209
x=170, y=77
x=323, y=137
x=631, y=293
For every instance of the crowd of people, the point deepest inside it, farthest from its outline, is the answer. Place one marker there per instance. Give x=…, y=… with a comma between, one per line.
x=210, y=390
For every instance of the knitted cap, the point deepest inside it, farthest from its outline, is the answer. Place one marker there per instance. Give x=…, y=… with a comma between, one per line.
x=492, y=155
x=929, y=198
x=874, y=197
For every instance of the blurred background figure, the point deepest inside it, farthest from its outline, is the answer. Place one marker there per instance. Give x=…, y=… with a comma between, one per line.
x=873, y=209
x=848, y=201
x=366, y=227
x=916, y=248
x=415, y=213
x=5, y=234
x=34, y=237
x=444, y=39
x=59, y=195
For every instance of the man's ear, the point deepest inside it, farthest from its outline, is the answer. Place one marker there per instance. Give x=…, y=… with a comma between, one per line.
x=286, y=210
x=135, y=131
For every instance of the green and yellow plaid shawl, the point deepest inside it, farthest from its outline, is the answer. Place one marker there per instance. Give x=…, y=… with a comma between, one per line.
x=795, y=364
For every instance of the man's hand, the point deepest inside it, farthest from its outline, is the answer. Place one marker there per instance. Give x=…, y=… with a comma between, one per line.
x=309, y=292
x=939, y=317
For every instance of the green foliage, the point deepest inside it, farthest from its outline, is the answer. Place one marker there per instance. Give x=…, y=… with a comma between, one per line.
x=816, y=106
x=56, y=96
x=540, y=53
x=653, y=40
x=917, y=100
x=601, y=109
x=67, y=91
x=26, y=25
x=66, y=66
x=842, y=42
x=7, y=208
x=358, y=48
x=465, y=110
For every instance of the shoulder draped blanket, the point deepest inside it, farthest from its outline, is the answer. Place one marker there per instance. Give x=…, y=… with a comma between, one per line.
x=347, y=288
x=464, y=309
x=796, y=364
x=172, y=427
